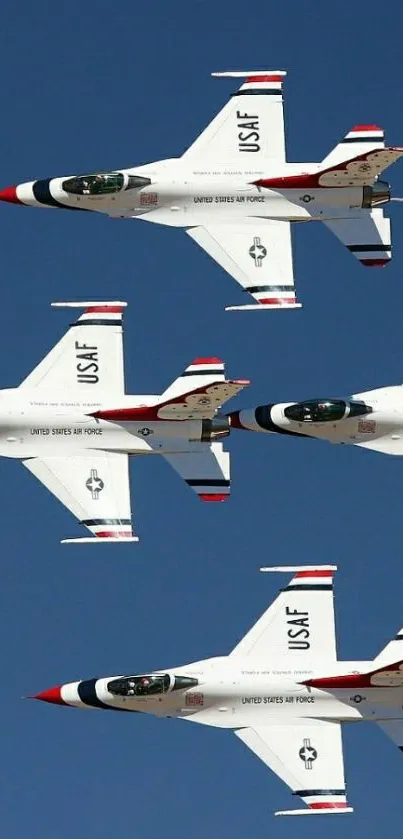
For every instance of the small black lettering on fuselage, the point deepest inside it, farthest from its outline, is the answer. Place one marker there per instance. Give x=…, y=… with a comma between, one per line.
x=87, y=364
x=297, y=629
x=248, y=132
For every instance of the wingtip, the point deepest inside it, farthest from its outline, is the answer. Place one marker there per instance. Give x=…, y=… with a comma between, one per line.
x=287, y=569
x=241, y=74
x=86, y=304
x=328, y=811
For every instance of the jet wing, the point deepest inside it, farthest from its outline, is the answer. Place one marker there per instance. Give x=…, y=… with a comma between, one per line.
x=367, y=237
x=258, y=256
x=95, y=488
x=89, y=357
x=249, y=129
x=205, y=470
x=307, y=755
x=299, y=625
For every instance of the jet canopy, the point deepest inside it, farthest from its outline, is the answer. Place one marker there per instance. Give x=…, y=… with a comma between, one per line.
x=325, y=410
x=103, y=183
x=153, y=685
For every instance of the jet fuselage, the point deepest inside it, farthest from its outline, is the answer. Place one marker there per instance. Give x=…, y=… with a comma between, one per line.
x=373, y=419
x=226, y=693
x=167, y=192
x=34, y=423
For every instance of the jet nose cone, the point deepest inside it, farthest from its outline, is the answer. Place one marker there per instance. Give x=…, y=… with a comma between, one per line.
x=10, y=195
x=53, y=695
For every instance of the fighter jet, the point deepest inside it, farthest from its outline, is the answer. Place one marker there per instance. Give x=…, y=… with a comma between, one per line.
x=281, y=690
x=236, y=195
x=371, y=420
x=73, y=426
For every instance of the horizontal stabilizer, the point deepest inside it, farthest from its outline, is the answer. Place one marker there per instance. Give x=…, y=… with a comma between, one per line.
x=361, y=170
x=360, y=139
x=200, y=372
x=201, y=403
x=392, y=651
x=394, y=730
x=206, y=471
x=367, y=237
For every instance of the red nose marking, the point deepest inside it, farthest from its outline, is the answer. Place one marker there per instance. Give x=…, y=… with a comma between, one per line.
x=10, y=195
x=52, y=695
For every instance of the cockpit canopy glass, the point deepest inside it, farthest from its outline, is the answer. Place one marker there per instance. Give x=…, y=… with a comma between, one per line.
x=316, y=410
x=157, y=683
x=139, y=685
x=325, y=410
x=103, y=184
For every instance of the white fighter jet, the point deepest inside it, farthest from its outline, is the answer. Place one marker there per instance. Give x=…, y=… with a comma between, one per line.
x=74, y=427
x=371, y=420
x=281, y=690
x=235, y=194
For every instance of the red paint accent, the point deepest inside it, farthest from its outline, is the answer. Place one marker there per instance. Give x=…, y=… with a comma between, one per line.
x=352, y=680
x=375, y=263
x=311, y=181
x=365, y=128
x=275, y=301
x=317, y=573
x=102, y=310
x=213, y=496
x=112, y=534
x=264, y=79
x=303, y=181
x=328, y=805
x=128, y=414
x=212, y=360
x=10, y=195
x=150, y=412
x=52, y=695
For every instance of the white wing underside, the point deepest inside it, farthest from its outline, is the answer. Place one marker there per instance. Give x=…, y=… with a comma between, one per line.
x=206, y=471
x=249, y=129
x=367, y=236
x=307, y=754
x=89, y=357
x=258, y=255
x=94, y=487
x=298, y=626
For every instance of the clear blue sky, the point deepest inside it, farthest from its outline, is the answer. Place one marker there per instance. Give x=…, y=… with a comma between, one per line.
x=89, y=85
